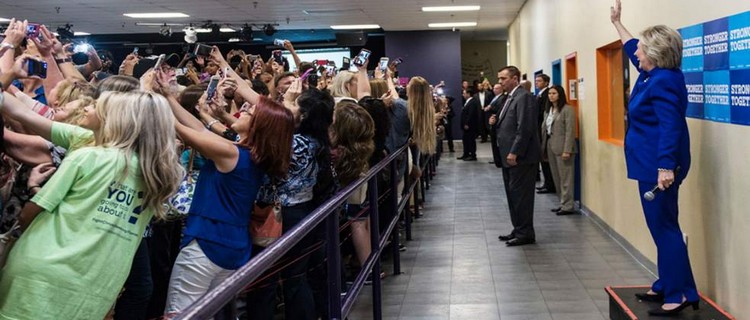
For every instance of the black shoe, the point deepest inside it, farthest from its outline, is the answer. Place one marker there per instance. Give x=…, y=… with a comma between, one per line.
x=461, y=157
x=661, y=312
x=470, y=159
x=541, y=188
x=506, y=237
x=491, y=162
x=556, y=209
x=566, y=212
x=519, y=242
x=650, y=297
x=545, y=190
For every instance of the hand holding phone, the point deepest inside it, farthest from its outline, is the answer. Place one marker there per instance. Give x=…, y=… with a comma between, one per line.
x=278, y=57
x=362, y=57
x=36, y=68
x=383, y=63
x=159, y=61
x=135, y=51
x=345, y=63
x=32, y=30
x=212, y=85
x=202, y=50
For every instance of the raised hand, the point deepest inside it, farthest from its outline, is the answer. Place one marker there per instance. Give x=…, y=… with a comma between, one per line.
x=16, y=32
x=615, y=11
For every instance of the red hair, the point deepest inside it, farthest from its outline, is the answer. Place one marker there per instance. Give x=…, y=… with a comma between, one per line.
x=270, y=137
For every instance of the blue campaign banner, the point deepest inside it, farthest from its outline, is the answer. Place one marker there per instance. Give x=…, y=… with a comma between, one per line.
x=716, y=45
x=694, y=84
x=692, y=48
x=739, y=41
x=740, y=96
x=716, y=96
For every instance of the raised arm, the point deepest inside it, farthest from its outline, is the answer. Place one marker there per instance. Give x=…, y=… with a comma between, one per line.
x=363, y=82
x=14, y=34
x=288, y=45
x=244, y=89
x=17, y=110
x=614, y=17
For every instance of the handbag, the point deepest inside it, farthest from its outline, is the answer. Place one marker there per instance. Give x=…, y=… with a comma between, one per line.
x=6, y=243
x=265, y=222
x=179, y=203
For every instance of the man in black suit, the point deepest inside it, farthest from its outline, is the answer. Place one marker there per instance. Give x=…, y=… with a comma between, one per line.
x=542, y=84
x=484, y=96
x=494, y=109
x=518, y=141
x=470, y=125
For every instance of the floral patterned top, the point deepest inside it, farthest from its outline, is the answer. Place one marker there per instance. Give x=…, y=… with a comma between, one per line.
x=298, y=185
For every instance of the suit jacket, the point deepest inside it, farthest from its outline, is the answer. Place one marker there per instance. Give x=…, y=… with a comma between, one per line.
x=563, y=136
x=542, y=99
x=657, y=135
x=517, y=128
x=470, y=115
x=497, y=105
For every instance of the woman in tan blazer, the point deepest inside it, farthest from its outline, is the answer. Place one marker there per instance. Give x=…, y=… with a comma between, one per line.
x=559, y=146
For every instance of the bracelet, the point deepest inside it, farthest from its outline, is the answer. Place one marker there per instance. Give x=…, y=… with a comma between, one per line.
x=64, y=60
x=665, y=170
x=7, y=45
x=210, y=123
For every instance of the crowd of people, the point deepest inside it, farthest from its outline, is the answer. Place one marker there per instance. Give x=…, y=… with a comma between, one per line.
x=130, y=193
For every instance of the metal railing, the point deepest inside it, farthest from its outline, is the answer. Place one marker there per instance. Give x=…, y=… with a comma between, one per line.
x=338, y=306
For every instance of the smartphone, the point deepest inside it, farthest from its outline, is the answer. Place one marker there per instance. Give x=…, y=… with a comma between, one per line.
x=278, y=57
x=345, y=63
x=159, y=61
x=180, y=71
x=440, y=92
x=36, y=68
x=81, y=48
x=362, y=57
x=212, y=85
x=226, y=73
x=331, y=70
x=279, y=42
x=32, y=31
x=383, y=63
x=397, y=62
x=202, y=50
x=135, y=51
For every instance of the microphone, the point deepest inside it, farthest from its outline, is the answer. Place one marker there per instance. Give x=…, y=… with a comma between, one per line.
x=651, y=194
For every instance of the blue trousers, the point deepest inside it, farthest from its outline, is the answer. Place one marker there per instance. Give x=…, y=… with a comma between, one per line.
x=675, y=275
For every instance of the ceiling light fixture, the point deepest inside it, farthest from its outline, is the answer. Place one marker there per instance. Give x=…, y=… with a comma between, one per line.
x=452, y=24
x=451, y=8
x=4, y=20
x=157, y=24
x=269, y=29
x=156, y=15
x=355, y=26
x=79, y=33
x=165, y=31
x=227, y=29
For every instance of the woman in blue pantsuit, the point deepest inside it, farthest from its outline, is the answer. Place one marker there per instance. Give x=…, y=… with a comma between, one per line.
x=657, y=152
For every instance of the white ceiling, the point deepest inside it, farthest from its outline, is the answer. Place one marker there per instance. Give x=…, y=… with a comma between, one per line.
x=105, y=16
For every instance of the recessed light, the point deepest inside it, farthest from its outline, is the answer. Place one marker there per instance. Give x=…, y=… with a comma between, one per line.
x=156, y=15
x=200, y=30
x=226, y=29
x=355, y=26
x=78, y=33
x=4, y=20
x=234, y=40
x=451, y=8
x=452, y=24
x=157, y=24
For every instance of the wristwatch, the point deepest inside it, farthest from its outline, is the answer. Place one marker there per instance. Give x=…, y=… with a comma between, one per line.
x=7, y=45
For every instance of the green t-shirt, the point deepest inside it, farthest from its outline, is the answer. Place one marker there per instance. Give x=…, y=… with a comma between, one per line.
x=74, y=258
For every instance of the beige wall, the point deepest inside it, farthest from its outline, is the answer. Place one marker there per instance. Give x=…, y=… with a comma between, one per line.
x=714, y=206
x=487, y=56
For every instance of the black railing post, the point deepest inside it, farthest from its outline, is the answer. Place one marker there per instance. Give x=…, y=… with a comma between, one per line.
x=407, y=184
x=395, y=215
x=333, y=258
x=372, y=189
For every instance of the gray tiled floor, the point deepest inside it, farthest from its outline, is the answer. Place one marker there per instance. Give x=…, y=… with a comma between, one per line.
x=455, y=268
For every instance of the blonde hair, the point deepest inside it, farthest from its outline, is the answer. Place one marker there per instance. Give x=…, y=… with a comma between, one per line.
x=378, y=87
x=142, y=123
x=75, y=115
x=340, y=81
x=663, y=46
x=422, y=115
x=352, y=132
x=69, y=90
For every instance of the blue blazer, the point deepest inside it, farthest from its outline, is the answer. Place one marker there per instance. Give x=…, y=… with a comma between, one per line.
x=657, y=135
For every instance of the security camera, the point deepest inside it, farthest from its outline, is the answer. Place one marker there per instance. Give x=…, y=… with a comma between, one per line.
x=190, y=35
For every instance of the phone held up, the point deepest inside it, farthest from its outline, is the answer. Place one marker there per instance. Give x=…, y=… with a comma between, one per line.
x=362, y=57
x=32, y=31
x=278, y=57
x=383, y=64
x=202, y=50
x=36, y=68
x=345, y=63
x=213, y=84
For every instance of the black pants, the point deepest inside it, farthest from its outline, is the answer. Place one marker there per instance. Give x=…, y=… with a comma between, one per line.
x=133, y=303
x=495, y=151
x=549, y=183
x=164, y=246
x=519, y=188
x=449, y=135
x=470, y=143
x=298, y=296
